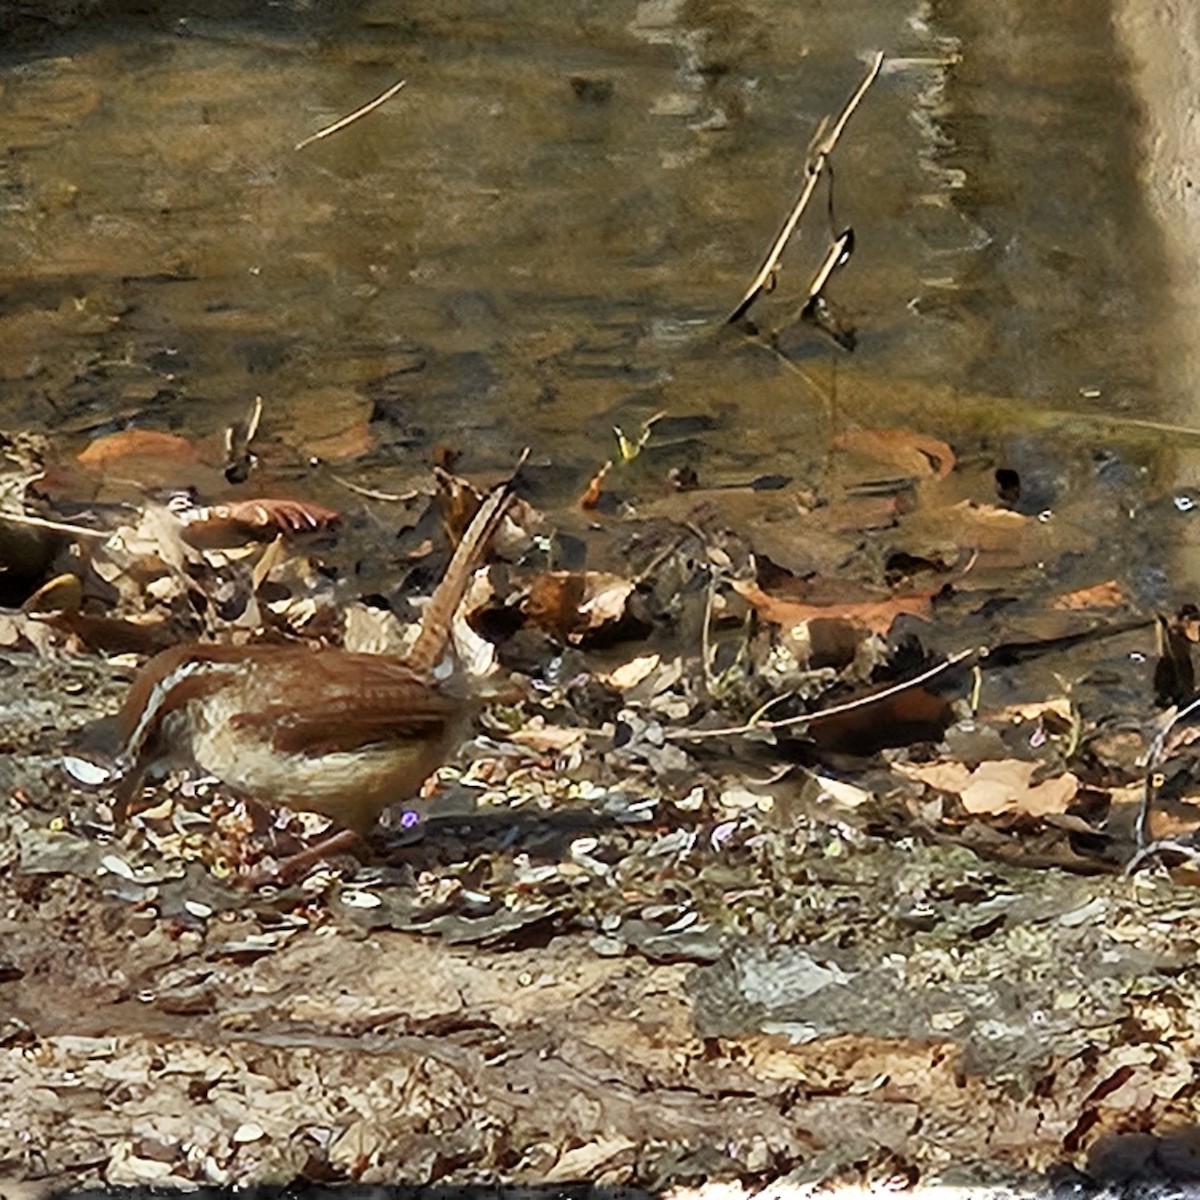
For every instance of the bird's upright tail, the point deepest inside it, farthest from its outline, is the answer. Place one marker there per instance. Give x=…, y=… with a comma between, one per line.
x=434, y=634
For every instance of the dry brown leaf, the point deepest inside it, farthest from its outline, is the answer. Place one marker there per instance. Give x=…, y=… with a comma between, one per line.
x=135, y=555
x=630, y=674
x=1000, y=786
x=875, y=615
x=543, y=738
x=569, y=604
x=605, y=598
x=1100, y=595
x=915, y=454
x=113, y=448
x=352, y=442
x=553, y=602
x=582, y=1162
x=20, y=631
x=1059, y=706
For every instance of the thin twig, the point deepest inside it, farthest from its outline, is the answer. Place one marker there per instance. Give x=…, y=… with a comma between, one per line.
x=1156, y=848
x=836, y=710
x=373, y=494
x=835, y=257
x=822, y=390
x=706, y=655
x=776, y=776
x=647, y=572
x=240, y=459
x=57, y=526
x=814, y=166
x=370, y=106
x=1154, y=760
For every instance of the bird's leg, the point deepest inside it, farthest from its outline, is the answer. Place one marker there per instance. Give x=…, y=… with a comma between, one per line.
x=295, y=866
x=127, y=790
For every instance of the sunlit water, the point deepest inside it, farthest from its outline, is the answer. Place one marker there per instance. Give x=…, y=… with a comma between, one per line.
x=540, y=236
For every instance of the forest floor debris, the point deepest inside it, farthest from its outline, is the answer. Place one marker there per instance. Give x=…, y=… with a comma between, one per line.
x=895, y=944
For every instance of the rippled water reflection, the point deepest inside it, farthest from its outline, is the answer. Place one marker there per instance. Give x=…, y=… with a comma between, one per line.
x=539, y=236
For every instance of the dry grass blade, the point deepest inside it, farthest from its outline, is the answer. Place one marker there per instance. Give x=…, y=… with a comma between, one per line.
x=350, y=118
x=80, y=531
x=814, y=167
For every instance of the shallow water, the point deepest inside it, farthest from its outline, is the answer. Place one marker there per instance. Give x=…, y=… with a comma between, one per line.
x=540, y=236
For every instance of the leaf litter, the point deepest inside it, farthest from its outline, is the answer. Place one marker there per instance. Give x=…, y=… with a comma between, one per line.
x=713, y=864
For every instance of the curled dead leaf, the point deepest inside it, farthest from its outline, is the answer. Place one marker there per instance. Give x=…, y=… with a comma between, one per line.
x=570, y=604
x=63, y=593
x=222, y=526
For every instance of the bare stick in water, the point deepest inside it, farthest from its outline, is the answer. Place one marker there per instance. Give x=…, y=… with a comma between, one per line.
x=371, y=105
x=815, y=163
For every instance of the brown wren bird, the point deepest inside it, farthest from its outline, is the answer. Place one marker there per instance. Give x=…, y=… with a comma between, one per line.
x=328, y=731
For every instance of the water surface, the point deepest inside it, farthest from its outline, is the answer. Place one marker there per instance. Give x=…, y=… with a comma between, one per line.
x=540, y=236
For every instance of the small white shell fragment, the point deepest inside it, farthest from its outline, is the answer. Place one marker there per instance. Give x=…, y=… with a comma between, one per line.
x=196, y=909
x=117, y=866
x=83, y=770
x=842, y=793
x=1086, y=914
x=739, y=799
x=248, y=1132
x=685, y=922
x=356, y=899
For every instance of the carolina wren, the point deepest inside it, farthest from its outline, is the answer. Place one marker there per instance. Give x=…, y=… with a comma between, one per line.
x=327, y=730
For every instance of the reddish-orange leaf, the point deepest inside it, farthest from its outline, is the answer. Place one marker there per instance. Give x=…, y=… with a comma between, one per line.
x=286, y=516
x=1100, y=595
x=591, y=496
x=137, y=443
x=915, y=454
x=875, y=615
